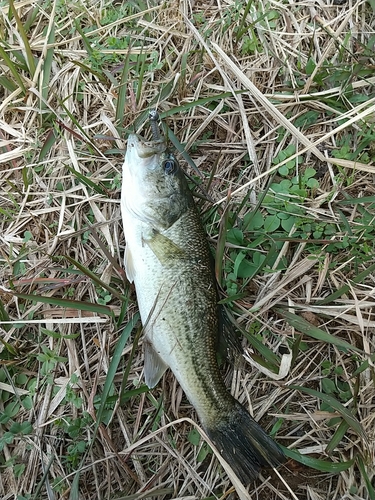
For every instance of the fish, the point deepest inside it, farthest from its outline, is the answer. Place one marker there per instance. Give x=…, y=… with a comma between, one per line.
x=168, y=258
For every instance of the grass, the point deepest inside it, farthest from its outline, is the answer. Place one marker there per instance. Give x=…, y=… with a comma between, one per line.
x=270, y=106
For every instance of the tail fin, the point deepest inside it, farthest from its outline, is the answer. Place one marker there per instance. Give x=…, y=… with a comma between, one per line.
x=244, y=444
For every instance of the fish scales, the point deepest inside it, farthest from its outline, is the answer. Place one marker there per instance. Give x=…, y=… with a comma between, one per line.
x=168, y=258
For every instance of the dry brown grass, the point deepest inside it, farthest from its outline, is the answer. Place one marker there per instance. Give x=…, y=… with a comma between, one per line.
x=142, y=448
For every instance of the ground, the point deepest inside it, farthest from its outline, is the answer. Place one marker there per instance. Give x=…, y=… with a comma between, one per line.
x=269, y=107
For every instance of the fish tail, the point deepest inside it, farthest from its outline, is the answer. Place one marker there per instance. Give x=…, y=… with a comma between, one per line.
x=244, y=444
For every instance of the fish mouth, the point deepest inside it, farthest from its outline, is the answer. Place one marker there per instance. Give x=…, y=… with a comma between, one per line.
x=146, y=149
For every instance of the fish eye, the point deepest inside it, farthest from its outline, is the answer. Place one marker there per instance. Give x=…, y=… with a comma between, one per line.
x=170, y=166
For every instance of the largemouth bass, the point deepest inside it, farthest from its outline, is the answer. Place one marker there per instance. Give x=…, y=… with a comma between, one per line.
x=168, y=258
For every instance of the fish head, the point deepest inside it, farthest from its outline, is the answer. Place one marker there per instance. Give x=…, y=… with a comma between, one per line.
x=154, y=188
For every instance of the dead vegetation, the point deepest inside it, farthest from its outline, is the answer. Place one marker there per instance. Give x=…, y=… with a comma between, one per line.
x=255, y=94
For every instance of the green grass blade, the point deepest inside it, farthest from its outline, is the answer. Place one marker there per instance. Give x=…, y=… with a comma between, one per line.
x=88, y=182
x=22, y=32
x=336, y=405
x=337, y=437
x=122, y=91
x=344, y=289
x=233, y=298
x=112, y=370
x=56, y=335
x=203, y=101
x=4, y=316
x=113, y=366
x=8, y=84
x=44, y=480
x=166, y=91
x=307, y=328
x=84, y=38
x=315, y=463
x=114, y=261
x=183, y=69
x=370, y=487
x=94, y=72
x=154, y=494
x=220, y=247
x=243, y=25
x=345, y=222
x=364, y=366
x=74, y=490
x=48, y=144
x=129, y=364
x=11, y=350
x=180, y=148
x=271, y=360
x=31, y=17
x=47, y=67
x=123, y=310
x=25, y=177
x=67, y=303
x=111, y=78
x=356, y=201
x=140, y=71
x=143, y=389
x=84, y=136
x=9, y=63
x=270, y=257
x=95, y=278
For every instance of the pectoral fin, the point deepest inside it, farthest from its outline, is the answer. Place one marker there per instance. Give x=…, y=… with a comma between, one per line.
x=154, y=366
x=163, y=247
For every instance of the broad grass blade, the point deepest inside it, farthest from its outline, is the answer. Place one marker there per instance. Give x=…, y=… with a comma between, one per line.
x=67, y=303
x=316, y=463
x=307, y=328
x=344, y=412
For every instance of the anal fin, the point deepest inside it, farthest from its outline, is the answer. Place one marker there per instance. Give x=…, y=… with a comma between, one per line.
x=129, y=265
x=154, y=366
